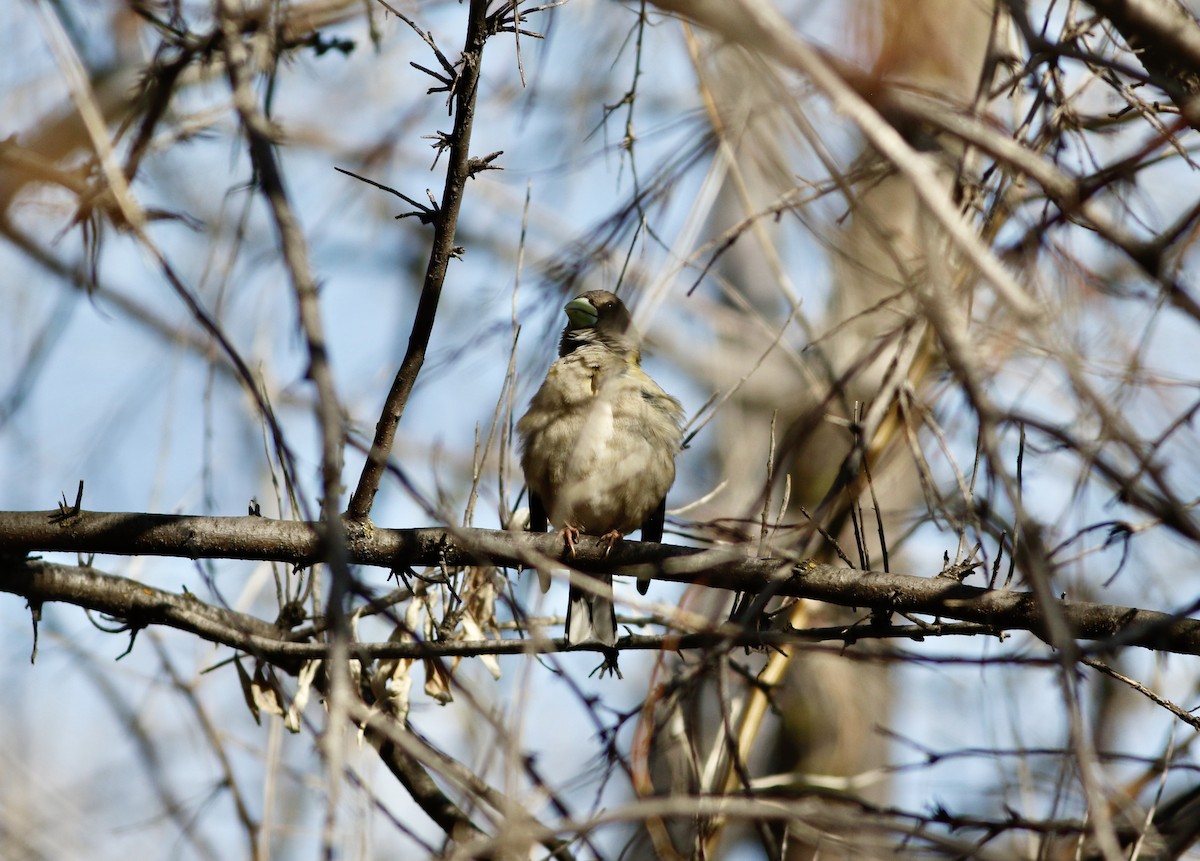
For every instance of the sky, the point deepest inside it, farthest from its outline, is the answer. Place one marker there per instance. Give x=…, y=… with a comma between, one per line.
x=139, y=413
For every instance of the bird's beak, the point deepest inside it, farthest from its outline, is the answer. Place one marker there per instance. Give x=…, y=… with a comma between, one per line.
x=581, y=313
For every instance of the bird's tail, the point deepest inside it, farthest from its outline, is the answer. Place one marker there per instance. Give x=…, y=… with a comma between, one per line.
x=591, y=617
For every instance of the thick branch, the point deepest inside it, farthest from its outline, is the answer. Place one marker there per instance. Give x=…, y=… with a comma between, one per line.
x=140, y=606
x=259, y=538
x=135, y=603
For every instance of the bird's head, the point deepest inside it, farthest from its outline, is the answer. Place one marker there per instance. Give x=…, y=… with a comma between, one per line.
x=598, y=317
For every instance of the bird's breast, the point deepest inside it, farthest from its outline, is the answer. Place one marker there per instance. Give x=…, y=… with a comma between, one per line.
x=599, y=456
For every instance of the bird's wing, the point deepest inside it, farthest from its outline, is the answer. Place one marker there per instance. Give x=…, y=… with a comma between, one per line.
x=537, y=513
x=537, y=523
x=652, y=530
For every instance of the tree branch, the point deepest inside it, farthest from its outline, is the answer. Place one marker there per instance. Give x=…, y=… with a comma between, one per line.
x=725, y=567
x=457, y=173
x=140, y=606
x=1166, y=39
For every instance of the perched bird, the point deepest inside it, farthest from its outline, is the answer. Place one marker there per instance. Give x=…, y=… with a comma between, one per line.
x=598, y=447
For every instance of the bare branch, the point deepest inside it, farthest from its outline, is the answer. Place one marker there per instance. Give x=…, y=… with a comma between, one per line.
x=457, y=173
x=722, y=568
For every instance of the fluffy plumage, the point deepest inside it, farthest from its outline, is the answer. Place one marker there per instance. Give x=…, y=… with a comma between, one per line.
x=598, y=446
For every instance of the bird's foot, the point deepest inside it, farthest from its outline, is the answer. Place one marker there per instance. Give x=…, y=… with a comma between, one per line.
x=611, y=538
x=570, y=536
x=608, y=666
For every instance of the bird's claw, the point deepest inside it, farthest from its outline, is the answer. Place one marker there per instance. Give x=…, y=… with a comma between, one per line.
x=570, y=536
x=611, y=538
x=608, y=667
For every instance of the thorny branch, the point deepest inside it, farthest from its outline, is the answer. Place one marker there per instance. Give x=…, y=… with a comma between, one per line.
x=1036, y=175
x=722, y=567
x=458, y=171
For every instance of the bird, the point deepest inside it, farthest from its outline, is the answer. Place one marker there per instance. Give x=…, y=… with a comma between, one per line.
x=598, y=445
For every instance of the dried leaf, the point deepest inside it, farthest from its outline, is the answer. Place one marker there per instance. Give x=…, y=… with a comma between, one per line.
x=437, y=681
x=247, y=691
x=473, y=631
x=265, y=693
x=303, y=690
x=391, y=682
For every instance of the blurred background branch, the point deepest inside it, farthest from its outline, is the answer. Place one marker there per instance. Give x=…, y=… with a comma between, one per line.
x=922, y=273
